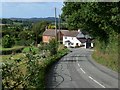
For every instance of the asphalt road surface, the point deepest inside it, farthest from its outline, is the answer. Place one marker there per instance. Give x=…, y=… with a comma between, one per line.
x=78, y=70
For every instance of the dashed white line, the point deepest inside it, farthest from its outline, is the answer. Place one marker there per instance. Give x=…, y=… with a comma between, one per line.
x=78, y=64
x=82, y=70
x=91, y=77
x=96, y=82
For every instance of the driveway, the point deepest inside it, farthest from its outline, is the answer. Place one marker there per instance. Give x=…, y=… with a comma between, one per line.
x=78, y=70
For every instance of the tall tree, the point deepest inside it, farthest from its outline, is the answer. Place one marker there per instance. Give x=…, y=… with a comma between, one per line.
x=39, y=28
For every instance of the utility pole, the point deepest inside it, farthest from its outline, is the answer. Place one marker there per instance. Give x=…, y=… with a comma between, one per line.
x=55, y=25
x=59, y=29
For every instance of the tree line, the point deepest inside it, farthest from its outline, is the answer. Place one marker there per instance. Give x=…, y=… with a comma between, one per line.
x=22, y=33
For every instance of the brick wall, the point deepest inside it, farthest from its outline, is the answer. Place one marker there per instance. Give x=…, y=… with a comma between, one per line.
x=47, y=38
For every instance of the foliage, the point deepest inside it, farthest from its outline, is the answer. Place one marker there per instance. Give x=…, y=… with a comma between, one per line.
x=25, y=38
x=7, y=21
x=38, y=28
x=34, y=70
x=7, y=41
x=51, y=26
x=35, y=66
x=99, y=19
x=28, y=49
x=108, y=55
x=12, y=77
x=53, y=46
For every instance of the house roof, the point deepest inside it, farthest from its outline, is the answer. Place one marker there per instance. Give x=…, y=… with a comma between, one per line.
x=69, y=33
x=82, y=40
x=49, y=32
x=80, y=35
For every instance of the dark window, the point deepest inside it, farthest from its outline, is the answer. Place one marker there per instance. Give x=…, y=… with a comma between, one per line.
x=76, y=44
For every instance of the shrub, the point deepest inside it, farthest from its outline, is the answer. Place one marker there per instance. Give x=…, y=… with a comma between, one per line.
x=30, y=49
x=7, y=41
x=53, y=46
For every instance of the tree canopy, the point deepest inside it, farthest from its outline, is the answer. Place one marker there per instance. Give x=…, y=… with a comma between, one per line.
x=97, y=18
x=38, y=28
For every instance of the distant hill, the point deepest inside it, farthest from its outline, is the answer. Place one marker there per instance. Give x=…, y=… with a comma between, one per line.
x=52, y=19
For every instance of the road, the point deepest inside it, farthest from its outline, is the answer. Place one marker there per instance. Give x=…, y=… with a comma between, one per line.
x=78, y=70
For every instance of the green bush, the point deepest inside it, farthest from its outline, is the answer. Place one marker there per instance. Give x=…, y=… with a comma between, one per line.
x=107, y=54
x=24, y=42
x=30, y=49
x=53, y=46
x=7, y=41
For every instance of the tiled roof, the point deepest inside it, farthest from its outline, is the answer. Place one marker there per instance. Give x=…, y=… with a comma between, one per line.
x=49, y=32
x=80, y=35
x=70, y=33
x=82, y=40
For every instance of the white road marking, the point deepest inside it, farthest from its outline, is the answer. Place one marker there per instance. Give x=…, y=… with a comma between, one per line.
x=82, y=70
x=78, y=64
x=96, y=82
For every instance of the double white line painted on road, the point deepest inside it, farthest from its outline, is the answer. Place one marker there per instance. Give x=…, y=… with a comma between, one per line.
x=96, y=82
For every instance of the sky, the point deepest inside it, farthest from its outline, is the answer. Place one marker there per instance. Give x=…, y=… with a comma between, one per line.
x=30, y=9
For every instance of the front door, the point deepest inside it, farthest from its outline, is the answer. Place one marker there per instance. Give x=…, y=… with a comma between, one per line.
x=88, y=44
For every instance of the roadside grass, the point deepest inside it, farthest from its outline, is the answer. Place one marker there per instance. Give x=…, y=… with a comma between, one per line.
x=108, y=60
x=107, y=53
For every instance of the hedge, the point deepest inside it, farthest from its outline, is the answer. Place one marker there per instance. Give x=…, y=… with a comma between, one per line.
x=7, y=51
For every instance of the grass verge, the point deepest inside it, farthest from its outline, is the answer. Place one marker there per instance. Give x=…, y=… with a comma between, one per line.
x=108, y=60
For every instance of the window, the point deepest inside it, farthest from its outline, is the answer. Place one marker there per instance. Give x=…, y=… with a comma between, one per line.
x=65, y=37
x=76, y=44
x=71, y=43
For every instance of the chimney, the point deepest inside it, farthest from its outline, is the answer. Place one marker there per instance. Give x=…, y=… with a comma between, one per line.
x=79, y=30
x=46, y=28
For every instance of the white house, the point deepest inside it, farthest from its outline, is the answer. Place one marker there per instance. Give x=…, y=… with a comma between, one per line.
x=76, y=39
x=69, y=38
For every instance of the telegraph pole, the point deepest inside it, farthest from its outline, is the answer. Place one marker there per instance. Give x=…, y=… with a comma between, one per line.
x=59, y=29
x=55, y=25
